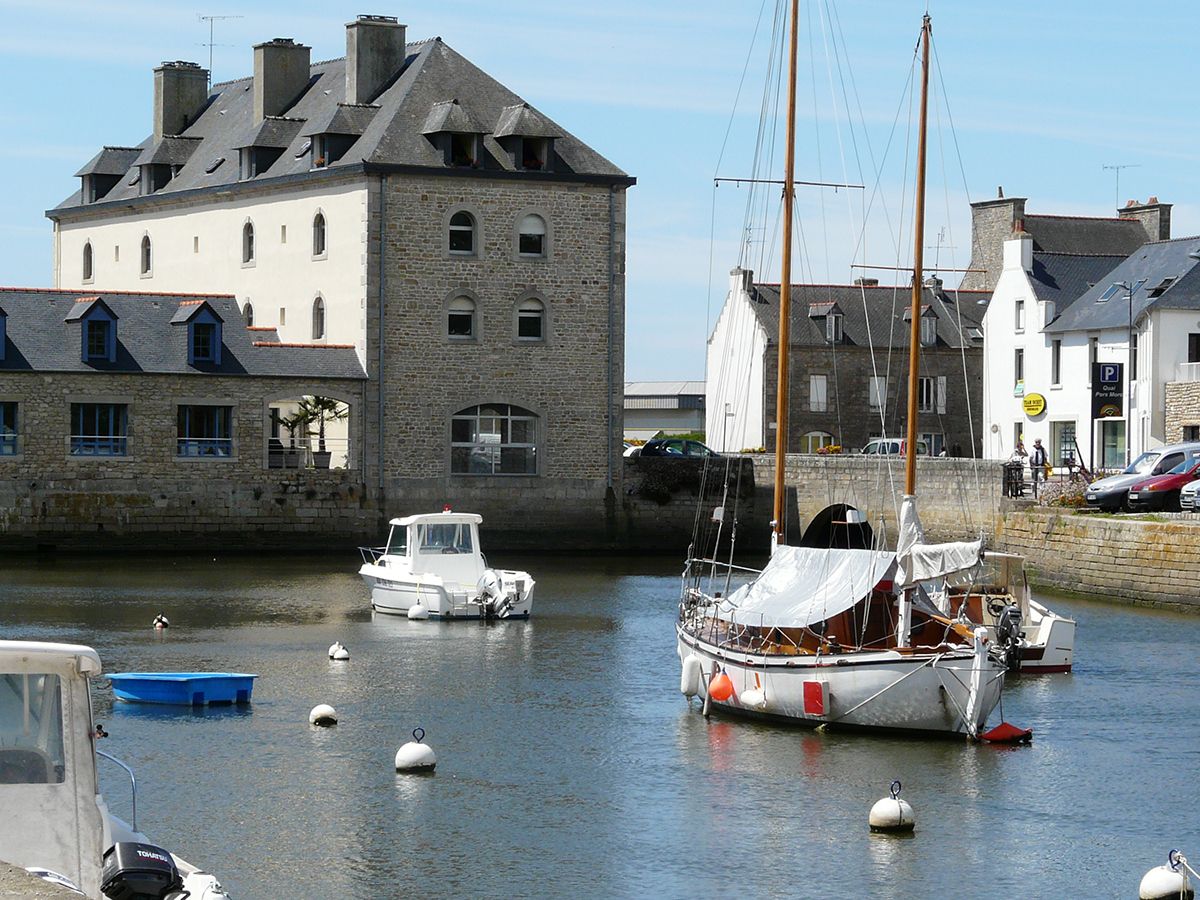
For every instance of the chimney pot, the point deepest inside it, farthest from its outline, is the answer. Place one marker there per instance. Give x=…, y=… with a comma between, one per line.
x=866, y=282
x=1000, y=192
x=376, y=47
x=1152, y=201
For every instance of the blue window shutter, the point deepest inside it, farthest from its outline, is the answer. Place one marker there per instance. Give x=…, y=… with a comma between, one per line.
x=112, y=341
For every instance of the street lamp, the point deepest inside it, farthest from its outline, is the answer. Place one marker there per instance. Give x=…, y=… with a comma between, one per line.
x=1130, y=289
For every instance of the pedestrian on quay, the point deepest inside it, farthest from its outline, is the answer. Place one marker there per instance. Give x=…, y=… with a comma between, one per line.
x=1037, y=463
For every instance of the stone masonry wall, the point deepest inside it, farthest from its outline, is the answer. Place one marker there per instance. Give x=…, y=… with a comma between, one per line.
x=1182, y=400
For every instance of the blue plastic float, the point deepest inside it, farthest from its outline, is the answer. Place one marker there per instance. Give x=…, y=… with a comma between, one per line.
x=183, y=688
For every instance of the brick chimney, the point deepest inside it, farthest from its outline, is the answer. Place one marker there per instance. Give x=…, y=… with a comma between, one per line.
x=866, y=282
x=281, y=73
x=1154, y=216
x=180, y=92
x=375, y=50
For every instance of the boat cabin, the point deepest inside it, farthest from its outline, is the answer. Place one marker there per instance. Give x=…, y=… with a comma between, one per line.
x=47, y=760
x=444, y=544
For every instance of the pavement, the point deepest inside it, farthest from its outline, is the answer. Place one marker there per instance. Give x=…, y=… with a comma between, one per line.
x=15, y=882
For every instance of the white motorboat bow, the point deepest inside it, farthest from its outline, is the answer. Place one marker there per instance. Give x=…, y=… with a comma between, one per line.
x=60, y=823
x=432, y=565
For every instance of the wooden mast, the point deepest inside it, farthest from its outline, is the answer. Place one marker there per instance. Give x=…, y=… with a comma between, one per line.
x=914, y=336
x=785, y=285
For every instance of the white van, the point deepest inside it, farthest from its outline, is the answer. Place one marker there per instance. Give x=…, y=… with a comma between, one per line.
x=892, y=447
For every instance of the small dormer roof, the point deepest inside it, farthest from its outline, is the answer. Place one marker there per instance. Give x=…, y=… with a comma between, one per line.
x=110, y=161
x=189, y=309
x=344, y=118
x=170, y=151
x=521, y=120
x=927, y=311
x=823, y=308
x=85, y=306
x=451, y=116
x=273, y=131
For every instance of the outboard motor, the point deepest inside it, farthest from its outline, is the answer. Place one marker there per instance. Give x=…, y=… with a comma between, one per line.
x=134, y=871
x=492, y=596
x=1008, y=635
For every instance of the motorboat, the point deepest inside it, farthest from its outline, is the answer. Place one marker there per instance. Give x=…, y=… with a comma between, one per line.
x=432, y=566
x=60, y=823
x=999, y=598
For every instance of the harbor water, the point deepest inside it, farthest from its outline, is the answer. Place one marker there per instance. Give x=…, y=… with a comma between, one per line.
x=568, y=763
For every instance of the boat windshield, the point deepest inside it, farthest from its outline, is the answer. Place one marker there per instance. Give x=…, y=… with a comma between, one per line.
x=444, y=538
x=397, y=543
x=31, y=729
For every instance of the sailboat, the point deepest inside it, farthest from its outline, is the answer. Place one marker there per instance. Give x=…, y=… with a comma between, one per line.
x=841, y=636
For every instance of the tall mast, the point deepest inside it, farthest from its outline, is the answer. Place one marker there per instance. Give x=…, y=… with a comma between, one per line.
x=785, y=282
x=914, y=335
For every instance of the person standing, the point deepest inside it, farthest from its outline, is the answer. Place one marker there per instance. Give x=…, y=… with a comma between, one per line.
x=1037, y=464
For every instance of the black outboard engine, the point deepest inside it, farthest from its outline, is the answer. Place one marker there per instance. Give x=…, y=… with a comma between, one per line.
x=135, y=871
x=1008, y=635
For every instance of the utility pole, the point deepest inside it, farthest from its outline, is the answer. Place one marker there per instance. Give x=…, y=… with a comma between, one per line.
x=1117, y=169
x=211, y=20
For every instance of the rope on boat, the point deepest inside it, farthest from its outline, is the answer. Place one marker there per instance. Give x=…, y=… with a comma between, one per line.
x=887, y=688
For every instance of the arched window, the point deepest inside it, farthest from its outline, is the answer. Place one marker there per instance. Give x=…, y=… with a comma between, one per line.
x=462, y=234
x=460, y=319
x=531, y=236
x=318, y=318
x=87, y=261
x=248, y=312
x=248, y=242
x=531, y=320
x=815, y=440
x=493, y=439
x=147, y=257
x=319, y=234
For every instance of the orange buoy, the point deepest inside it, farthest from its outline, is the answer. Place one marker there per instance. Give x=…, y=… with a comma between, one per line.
x=721, y=688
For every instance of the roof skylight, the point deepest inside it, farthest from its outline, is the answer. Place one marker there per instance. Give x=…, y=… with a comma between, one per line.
x=304, y=148
x=214, y=165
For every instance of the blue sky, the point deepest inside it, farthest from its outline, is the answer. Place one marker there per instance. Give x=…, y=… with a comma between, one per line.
x=1042, y=97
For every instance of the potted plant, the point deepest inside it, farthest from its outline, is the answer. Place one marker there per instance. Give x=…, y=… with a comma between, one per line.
x=297, y=421
x=322, y=410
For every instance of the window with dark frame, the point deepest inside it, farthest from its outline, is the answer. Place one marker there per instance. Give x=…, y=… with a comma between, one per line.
x=463, y=150
x=99, y=429
x=319, y=234
x=925, y=394
x=248, y=242
x=204, y=342
x=318, y=318
x=531, y=237
x=493, y=439
x=98, y=335
x=531, y=316
x=1193, y=348
x=462, y=233
x=87, y=261
x=460, y=319
x=1056, y=361
x=10, y=441
x=147, y=255
x=204, y=431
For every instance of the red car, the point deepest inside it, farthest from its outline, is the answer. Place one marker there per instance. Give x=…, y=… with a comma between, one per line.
x=1162, y=491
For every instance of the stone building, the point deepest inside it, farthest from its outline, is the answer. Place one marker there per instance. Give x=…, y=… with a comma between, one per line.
x=400, y=201
x=848, y=366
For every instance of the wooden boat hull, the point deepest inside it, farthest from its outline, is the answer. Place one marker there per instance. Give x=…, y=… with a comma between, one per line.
x=888, y=691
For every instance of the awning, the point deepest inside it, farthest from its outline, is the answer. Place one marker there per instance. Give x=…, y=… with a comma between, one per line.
x=804, y=585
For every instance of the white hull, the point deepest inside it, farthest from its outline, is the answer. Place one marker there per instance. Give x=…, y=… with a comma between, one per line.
x=397, y=595
x=921, y=692
x=1050, y=640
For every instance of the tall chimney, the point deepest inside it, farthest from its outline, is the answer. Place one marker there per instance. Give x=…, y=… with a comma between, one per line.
x=281, y=72
x=1154, y=216
x=375, y=50
x=180, y=92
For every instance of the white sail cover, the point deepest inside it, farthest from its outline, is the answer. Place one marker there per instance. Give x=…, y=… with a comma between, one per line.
x=918, y=561
x=804, y=585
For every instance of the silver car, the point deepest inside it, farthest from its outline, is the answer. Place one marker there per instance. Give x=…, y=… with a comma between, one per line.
x=1187, y=497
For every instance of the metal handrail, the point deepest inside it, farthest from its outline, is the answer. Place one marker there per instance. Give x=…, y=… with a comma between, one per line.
x=132, y=782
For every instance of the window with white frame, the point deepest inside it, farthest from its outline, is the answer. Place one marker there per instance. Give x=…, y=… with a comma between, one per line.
x=928, y=330
x=877, y=391
x=813, y=441
x=248, y=243
x=462, y=234
x=87, y=261
x=1056, y=361
x=461, y=319
x=147, y=261
x=818, y=393
x=1018, y=368
x=925, y=394
x=1019, y=315
x=318, y=235
x=318, y=318
x=493, y=439
x=833, y=327
x=531, y=320
x=531, y=237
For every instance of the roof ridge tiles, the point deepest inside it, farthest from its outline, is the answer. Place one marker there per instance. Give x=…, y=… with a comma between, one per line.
x=1084, y=255
x=298, y=344
x=65, y=292
x=1191, y=237
x=1083, y=218
x=873, y=287
x=260, y=328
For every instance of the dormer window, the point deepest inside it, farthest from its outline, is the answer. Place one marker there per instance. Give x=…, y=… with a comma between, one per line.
x=528, y=136
x=534, y=153
x=98, y=330
x=833, y=327
x=203, y=342
x=203, y=332
x=928, y=330
x=329, y=148
x=464, y=150
x=105, y=170
x=155, y=177
x=255, y=161
x=97, y=338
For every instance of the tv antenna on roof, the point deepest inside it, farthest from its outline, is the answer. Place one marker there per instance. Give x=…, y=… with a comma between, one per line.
x=211, y=20
x=1118, y=169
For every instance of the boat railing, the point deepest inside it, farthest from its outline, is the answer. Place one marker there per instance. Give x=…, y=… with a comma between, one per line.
x=372, y=555
x=132, y=782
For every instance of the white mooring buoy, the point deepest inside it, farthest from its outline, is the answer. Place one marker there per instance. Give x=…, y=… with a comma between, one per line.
x=689, y=678
x=323, y=714
x=418, y=611
x=338, y=651
x=416, y=756
x=160, y=622
x=1169, y=881
x=891, y=815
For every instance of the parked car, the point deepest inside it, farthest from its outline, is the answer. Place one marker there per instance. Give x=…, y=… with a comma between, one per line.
x=892, y=447
x=676, y=447
x=1187, y=497
x=1163, y=491
x=1112, y=493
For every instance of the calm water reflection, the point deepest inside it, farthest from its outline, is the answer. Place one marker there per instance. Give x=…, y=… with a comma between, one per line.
x=570, y=765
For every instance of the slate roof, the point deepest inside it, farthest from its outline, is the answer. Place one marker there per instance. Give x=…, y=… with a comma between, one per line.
x=40, y=339
x=170, y=151
x=1064, y=277
x=433, y=73
x=1085, y=234
x=1177, y=258
x=110, y=161
x=885, y=309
